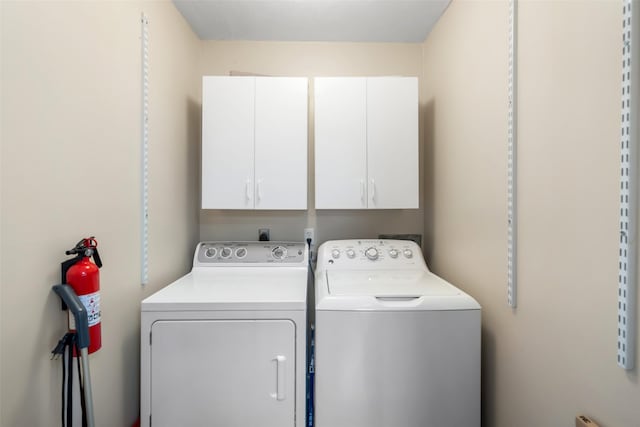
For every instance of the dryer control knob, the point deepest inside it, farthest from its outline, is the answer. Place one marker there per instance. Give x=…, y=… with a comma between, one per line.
x=279, y=252
x=371, y=253
x=335, y=253
x=393, y=253
x=241, y=253
x=408, y=253
x=210, y=252
x=351, y=253
x=225, y=252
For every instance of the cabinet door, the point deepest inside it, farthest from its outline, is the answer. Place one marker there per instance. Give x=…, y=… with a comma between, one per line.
x=281, y=143
x=227, y=142
x=237, y=373
x=392, y=142
x=340, y=143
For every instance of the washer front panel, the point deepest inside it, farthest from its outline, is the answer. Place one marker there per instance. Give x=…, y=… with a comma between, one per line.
x=381, y=369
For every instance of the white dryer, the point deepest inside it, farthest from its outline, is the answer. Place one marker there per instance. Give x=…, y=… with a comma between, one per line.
x=395, y=345
x=225, y=344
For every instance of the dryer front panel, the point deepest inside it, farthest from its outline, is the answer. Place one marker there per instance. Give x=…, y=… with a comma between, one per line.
x=237, y=373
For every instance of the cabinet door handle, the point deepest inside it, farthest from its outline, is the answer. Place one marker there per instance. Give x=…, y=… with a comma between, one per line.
x=362, y=199
x=373, y=190
x=259, y=190
x=248, y=190
x=280, y=377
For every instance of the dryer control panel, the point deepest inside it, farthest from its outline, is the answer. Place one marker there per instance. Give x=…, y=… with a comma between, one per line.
x=368, y=253
x=250, y=253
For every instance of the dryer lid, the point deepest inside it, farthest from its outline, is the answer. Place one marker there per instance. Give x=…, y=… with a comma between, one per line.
x=388, y=284
x=233, y=289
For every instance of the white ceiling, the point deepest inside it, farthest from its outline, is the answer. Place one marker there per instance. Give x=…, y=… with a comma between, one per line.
x=313, y=20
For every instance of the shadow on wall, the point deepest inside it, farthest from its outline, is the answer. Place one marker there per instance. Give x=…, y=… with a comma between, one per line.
x=427, y=112
x=194, y=159
x=488, y=370
x=131, y=340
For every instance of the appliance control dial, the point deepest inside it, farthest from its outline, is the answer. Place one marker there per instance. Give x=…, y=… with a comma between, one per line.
x=408, y=253
x=241, y=253
x=351, y=253
x=393, y=253
x=371, y=253
x=279, y=252
x=225, y=252
x=335, y=253
x=211, y=252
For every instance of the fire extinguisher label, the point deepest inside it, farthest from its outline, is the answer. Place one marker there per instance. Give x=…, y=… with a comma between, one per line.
x=92, y=303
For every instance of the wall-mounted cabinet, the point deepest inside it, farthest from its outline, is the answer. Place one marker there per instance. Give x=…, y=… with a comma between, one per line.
x=254, y=142
x=366, y=143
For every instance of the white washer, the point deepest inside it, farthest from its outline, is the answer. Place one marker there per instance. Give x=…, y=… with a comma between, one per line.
x=225, y=344
x=395, y=345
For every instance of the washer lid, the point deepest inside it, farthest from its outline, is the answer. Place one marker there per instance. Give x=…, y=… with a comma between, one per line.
x=388, y=284
x=388, y=290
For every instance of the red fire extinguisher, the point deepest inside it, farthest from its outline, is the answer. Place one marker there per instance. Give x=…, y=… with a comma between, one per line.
x=84, y=277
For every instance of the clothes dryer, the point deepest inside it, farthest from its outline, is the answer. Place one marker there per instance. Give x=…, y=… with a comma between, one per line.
x=395, y=345
x=225, y=344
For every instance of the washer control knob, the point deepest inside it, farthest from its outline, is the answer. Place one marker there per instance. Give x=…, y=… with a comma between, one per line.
x=225, y=252
x=210, y=252
x=335, y=253
x=241, y=253
x=408, y=253
x=371, y=253
x=351, y=253
x=393, y=253
x=279, y=252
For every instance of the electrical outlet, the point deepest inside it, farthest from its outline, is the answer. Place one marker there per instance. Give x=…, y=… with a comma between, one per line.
x=309, y=234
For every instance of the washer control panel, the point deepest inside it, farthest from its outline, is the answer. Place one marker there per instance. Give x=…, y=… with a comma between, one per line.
x=380, y=253
x=242, y=253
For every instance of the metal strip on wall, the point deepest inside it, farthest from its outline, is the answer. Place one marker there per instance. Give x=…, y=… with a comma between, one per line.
x=627, y=252
x=145, y=152
x=511, y=161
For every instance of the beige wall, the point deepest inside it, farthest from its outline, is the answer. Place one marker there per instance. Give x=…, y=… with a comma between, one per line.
x=310, y=59
x=71, y=90
x=555, y=355
x=71, y=93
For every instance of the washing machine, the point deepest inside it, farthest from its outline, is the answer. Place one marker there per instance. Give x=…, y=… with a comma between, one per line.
x=395, y=345
x=225, y=344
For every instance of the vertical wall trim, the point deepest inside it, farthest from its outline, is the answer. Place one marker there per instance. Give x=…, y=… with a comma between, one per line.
x=627, y=252
x=145, y=152
x=511, y=159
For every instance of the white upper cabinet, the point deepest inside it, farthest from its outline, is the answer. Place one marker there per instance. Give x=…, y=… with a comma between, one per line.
x=340, y=143
x=366, y=142
x=254, y=142
x=281, y=143
x=227, y=142
x=392, y=142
